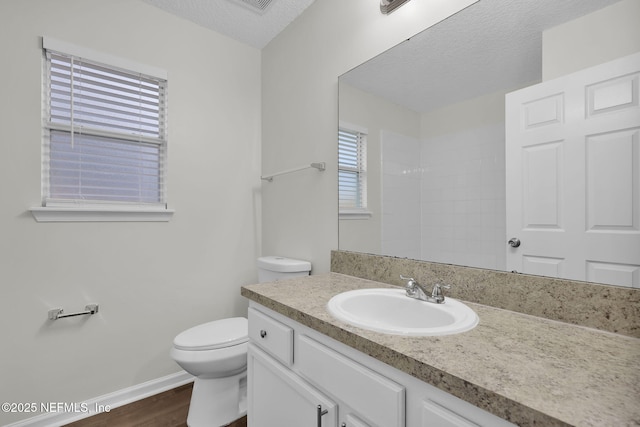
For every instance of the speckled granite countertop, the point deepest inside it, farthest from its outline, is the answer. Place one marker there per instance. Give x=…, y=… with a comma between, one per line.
x=529, y=370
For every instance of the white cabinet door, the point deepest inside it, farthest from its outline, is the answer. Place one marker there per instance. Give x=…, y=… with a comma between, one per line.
x=573, y=175
x=374, y=398
x=279, y=398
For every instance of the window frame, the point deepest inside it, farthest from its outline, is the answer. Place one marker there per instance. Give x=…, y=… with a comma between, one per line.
x=74, y=210
x=362, y=211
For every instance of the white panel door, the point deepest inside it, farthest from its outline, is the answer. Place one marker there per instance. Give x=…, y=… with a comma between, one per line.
x=277, y=397
x=573, y=175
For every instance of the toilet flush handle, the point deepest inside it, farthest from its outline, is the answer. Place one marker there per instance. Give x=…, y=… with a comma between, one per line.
x=263, y=333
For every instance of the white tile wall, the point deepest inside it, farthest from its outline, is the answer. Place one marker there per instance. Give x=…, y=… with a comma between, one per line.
x=451, y=188
x=401, y=177
x=463, y=202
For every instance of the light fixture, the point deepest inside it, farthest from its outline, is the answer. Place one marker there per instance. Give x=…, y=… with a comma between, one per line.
x=388, y=6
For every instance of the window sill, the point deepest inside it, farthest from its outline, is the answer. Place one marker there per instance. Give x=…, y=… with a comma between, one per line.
x=76, y=214
x=355, y=214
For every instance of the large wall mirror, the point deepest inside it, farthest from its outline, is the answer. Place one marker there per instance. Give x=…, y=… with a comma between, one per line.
x=443, y=184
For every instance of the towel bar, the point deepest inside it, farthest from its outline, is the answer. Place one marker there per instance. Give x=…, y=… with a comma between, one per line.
x=321, y=166
x=57, y=313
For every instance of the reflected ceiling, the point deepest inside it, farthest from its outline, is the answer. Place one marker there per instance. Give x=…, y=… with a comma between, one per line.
x=481, y=44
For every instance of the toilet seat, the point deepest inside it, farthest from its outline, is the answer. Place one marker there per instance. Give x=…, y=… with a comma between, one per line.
x=213, y=335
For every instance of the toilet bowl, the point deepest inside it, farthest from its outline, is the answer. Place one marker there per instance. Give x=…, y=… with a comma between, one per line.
x=215, y=353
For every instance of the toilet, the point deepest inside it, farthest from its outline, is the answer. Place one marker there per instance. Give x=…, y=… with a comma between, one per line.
x=215, y=353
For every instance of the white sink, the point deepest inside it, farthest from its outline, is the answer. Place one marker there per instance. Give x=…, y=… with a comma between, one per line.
x=390, y=311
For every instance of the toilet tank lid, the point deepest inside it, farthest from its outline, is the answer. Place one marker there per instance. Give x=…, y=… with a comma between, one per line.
x=282, y=264
x=217, y=334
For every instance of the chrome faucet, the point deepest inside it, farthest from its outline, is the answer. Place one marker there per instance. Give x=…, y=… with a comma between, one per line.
x=417, y=291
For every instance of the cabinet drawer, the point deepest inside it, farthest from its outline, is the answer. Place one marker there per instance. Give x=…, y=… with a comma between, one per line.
x=353, y=421
x=448, y=411
x=272, y=336
x=434, y=414
x=373, y=397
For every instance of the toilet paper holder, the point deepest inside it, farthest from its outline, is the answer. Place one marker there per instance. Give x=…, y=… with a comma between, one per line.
x=58, y=313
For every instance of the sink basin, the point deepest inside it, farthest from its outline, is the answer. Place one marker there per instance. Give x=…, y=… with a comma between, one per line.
x=390, y=311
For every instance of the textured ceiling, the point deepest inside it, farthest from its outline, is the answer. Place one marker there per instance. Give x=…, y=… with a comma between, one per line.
x=233, y=19
x=489, y=46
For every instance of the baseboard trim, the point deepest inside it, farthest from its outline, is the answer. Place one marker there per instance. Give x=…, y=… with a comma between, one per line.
x=111, y=400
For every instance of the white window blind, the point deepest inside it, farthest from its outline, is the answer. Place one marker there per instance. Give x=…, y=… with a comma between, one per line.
x=105, y=134
x=352, y=171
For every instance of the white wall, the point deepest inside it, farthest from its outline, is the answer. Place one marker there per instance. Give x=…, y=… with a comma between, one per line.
x=300, y=70
x=152, y=280
x=593, y=39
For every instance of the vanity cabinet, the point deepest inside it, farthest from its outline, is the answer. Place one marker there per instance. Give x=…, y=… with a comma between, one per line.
x=300, y=377
x=278, y=397
x=315, y=387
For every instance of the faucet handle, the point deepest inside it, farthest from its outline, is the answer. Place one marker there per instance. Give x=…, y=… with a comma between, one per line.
x=437, y=291
x=411, y=282
x=410, y=287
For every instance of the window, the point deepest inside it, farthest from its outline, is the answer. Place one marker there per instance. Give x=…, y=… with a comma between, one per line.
x=352, y=173
x=104, y=134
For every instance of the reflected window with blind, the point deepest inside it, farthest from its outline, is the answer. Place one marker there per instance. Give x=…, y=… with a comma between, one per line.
x=352, y=174
x=105, y=138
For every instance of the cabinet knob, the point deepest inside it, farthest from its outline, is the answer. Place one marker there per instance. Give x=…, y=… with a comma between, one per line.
x=263, y=333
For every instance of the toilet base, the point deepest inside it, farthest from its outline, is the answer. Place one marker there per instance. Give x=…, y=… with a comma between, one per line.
x=218, y=401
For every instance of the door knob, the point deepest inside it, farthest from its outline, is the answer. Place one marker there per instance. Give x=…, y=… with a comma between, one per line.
x=514, y=242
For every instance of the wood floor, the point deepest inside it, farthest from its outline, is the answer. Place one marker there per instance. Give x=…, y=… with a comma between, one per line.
x=168, y=409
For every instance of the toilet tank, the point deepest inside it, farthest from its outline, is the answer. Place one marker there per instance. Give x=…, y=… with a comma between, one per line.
x=271, y=268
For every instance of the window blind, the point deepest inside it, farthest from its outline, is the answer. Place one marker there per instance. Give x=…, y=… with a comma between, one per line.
x=105, y=134
x=351, y=170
